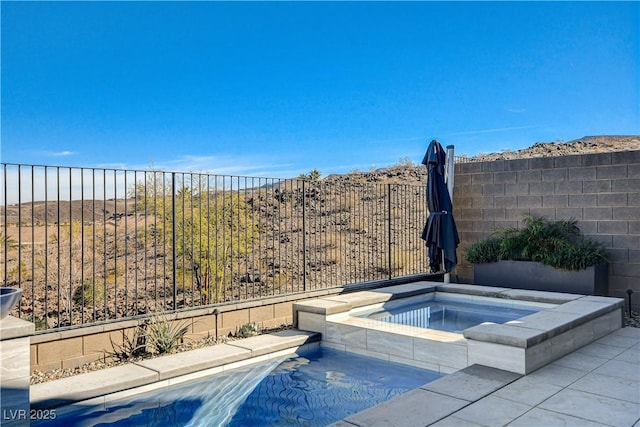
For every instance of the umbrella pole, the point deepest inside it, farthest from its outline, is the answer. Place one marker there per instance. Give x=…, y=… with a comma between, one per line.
x=448, y=177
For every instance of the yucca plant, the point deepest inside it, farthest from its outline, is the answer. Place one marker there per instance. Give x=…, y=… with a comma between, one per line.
x=555, y=243
x=132, y=347
x=164, y=334
x=249, y=330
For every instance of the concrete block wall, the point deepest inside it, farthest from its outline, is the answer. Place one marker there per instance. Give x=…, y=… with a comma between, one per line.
x=601, y=191
x=73, y=348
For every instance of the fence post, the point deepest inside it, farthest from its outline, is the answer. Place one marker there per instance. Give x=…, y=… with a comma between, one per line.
x=304, y=240
x=5, y=242
x=174, y=252
x=389, y=257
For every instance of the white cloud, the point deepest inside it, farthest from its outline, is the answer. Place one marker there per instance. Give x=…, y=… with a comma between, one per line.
x=216, y=165
x=222, y=165
x=479, y=131
x=63, y=153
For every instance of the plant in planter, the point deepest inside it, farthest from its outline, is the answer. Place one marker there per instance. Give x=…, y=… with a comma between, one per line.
x=543, y=255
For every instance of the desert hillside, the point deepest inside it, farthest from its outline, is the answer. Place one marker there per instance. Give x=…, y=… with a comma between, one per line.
x=586, y=144
x=415, y=174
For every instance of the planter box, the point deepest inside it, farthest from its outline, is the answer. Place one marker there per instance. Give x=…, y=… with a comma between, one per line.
x=540, y=277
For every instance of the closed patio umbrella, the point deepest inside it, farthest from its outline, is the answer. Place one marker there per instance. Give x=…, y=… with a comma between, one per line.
x=440, y=232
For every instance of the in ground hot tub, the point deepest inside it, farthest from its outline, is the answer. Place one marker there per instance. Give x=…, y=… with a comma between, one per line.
x=449, y=312
x=560, y=324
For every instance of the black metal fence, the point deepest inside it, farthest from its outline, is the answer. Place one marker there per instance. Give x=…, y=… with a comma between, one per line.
x=89, y=245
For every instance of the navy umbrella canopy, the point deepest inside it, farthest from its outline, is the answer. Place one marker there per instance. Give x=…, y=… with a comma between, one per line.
x=440, y=232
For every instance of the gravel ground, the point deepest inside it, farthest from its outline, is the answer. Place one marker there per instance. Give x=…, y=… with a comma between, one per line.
x=37, y=377
x=632, y=320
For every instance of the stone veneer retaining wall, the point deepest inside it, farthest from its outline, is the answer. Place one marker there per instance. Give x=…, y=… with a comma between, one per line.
x=601, y=191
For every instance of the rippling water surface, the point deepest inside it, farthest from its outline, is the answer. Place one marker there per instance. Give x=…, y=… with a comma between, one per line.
x=315, y=388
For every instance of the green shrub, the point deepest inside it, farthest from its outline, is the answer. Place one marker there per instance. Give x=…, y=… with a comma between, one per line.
x=313, y=175
x=88, y=294
x=39, y=322
x=483, y=251
x=584, y=254
x=555, y=243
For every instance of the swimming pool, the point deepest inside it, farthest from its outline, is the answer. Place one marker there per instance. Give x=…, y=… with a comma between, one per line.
x=448, y=314
x=314, y=388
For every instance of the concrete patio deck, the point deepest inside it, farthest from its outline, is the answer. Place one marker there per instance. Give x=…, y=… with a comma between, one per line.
x=597, y=385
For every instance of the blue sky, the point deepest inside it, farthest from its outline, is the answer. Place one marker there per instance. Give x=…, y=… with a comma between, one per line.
x=279, y=88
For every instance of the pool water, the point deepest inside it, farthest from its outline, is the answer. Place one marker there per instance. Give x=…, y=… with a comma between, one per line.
x=449, y=315
x=315, y=388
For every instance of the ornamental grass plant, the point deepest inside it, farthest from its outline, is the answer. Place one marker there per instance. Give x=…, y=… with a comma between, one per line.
x=558, y=244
